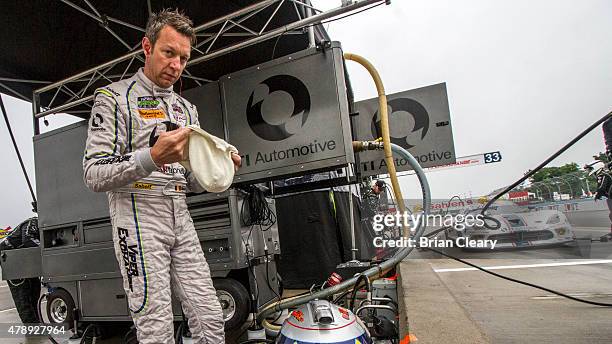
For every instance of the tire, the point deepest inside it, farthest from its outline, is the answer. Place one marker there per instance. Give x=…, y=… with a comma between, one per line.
x=60, y=306
x=235, y=303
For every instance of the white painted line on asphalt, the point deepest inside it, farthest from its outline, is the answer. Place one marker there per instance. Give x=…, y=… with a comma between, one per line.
x=6, y=310
x=581, y=295
x=505, y=267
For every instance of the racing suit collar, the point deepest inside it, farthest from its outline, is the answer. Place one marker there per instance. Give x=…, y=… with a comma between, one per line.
x=150, y=85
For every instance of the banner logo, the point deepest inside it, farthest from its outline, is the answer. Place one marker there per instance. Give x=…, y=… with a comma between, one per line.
x=415, y=109
x=301, y=107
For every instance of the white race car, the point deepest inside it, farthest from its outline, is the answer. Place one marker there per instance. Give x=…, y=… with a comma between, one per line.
x=519, y=227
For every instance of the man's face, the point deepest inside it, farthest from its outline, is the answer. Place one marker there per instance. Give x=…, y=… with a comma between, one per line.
x=166, y=60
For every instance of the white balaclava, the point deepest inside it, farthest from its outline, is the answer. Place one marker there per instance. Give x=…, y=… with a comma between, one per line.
x=210, y=160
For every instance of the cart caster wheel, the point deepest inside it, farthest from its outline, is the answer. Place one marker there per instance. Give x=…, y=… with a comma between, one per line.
x=234, y=300
x=60, y=307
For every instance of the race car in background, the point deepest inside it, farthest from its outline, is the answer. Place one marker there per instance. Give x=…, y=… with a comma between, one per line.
x=519, y=227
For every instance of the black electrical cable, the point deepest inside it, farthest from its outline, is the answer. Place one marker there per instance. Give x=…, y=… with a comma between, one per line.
x=351, y=304
x=449, y=203
x=255, y=210
x=339, y=297
x=25, y=173
x=84, y=335
x=518, y=182
x=436, y=231
x=602, y=304
x=270, y=286
x=446, y=211
x=255, y=298
x=39, y=315
x=257, y=341
x=276, y=43
x=178, y=337
x=529, y=174
x=127, y=337
x=390, y=196
x=38, y=306
x=546, y=162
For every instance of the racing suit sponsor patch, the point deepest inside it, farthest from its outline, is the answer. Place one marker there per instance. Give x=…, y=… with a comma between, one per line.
x=96, y=122
x=113, y=160
x=111, y=91
x=152, y=113
x=179, y=115
x=143, y=186
x=168, y=169
x=129, y=254
x=180, y=118
x=177, y=109
x=147, y=102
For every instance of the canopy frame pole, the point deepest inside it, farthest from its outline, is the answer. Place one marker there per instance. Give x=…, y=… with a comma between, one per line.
x=226, y=22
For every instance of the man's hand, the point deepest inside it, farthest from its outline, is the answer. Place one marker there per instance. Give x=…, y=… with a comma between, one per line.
x=237, y=161
x=170, y=147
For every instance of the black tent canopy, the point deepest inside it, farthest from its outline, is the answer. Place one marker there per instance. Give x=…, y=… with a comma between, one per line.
x=48, y=41
x=57, y=52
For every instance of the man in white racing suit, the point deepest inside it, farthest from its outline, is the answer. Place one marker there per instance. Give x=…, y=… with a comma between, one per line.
x=136, y=139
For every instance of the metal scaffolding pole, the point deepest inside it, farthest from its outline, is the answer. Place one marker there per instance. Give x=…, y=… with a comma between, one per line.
x=279, y=31
x=226, y=22
x=139, y=51
x=311, y=35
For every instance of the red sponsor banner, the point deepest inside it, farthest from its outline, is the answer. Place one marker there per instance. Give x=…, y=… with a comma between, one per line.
x=518, y=194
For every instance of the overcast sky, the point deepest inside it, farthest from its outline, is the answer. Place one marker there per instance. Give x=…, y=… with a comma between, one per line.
x=523, y=77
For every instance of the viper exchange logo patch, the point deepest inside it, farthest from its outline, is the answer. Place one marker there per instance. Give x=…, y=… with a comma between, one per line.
x=301, y=108
x=402, y=133
x=129, y=254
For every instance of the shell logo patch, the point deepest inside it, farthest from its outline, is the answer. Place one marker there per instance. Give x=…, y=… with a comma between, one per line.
x=152, y=114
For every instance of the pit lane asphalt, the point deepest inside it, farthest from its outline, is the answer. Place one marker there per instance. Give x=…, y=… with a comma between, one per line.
x=505, y=312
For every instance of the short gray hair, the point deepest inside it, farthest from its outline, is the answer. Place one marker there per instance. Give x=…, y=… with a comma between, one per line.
x=174, y=18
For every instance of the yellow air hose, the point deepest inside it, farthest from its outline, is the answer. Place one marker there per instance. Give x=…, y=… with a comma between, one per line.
x=384, y=120
x=382, y=103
